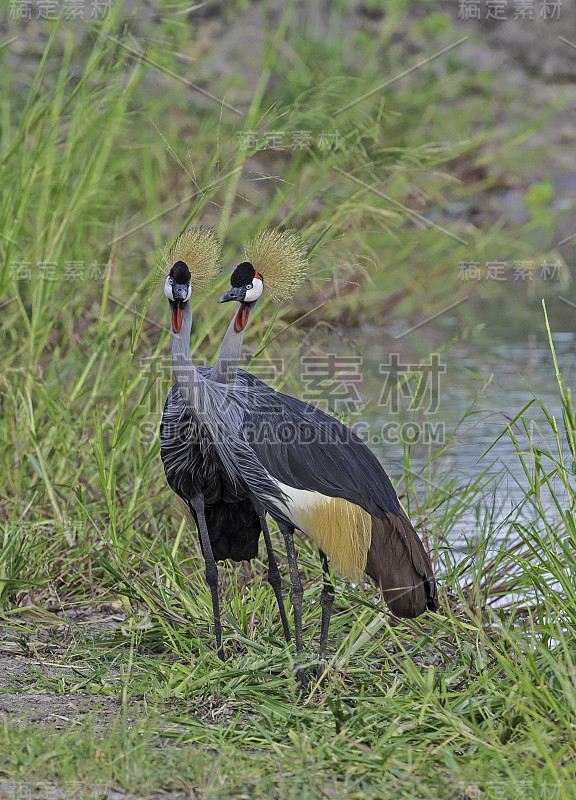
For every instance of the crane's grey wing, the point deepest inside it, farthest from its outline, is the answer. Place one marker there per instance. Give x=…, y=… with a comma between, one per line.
x=193, y=467
x=222, y=449
x=305, y=448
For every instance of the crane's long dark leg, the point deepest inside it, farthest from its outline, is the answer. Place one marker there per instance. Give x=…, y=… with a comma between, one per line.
x=326, y=601
x=296, y=590
x=273, y=573
x=211, y=571
x=296, y=593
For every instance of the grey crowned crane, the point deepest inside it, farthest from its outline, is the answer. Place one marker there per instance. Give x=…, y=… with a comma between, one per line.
x=233, y=517
x=306, y=469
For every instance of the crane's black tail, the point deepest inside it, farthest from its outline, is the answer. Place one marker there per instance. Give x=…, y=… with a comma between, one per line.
x=398, y=562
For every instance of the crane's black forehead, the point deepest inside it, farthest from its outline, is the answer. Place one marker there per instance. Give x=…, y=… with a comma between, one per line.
x=180, y=272
x=242, y=275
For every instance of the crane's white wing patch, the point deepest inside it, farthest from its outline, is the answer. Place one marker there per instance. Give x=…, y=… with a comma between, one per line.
x=343, y=530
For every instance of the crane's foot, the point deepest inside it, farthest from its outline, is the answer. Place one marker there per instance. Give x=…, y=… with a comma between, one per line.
x=302, y=682
x=322, y=672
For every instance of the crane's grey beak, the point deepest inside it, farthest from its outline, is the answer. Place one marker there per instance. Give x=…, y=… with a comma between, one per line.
x=180, y=291
x=237, y=293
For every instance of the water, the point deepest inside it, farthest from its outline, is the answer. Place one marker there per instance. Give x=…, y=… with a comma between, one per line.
x=475, y=389
x=494, y=380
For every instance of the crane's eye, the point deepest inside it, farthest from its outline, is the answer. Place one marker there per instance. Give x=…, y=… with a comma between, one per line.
x=249, y=286
x=171, y=281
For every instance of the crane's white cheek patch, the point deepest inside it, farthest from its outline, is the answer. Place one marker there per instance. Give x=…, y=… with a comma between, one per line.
x=340, y=528
x=255, y=292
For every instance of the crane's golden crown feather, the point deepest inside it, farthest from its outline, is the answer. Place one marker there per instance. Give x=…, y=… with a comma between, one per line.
x=280, y=258
x=199, y=249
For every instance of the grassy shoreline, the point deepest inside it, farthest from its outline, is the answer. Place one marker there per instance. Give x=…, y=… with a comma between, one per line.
x=111, y=683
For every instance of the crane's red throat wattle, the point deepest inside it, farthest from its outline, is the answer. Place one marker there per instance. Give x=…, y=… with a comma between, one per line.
x=242, y=317
x=177, y=319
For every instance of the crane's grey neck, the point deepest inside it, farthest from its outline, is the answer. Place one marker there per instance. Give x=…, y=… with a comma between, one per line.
x=191, y=385
x=220, y=410
x=226, y=368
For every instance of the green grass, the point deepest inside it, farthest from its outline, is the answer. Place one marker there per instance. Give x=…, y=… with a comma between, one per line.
x=100, y=149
